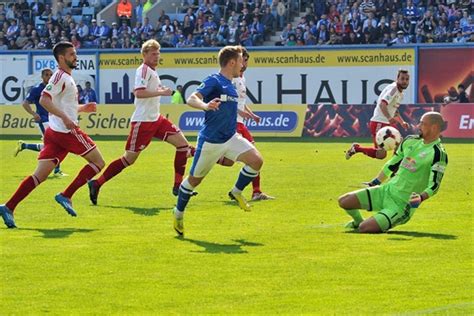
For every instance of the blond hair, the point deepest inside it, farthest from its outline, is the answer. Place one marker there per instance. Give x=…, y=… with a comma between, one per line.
x=150, y=45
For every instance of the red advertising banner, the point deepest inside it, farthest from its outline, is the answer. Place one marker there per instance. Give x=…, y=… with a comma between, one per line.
x=460, y=119
x=440, y=71
x=352, y=120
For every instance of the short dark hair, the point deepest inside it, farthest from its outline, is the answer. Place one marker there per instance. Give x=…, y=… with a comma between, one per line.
x=226, y=54
x=402, y=71
x=60, y=49
x=45, y=70
x=461, y=86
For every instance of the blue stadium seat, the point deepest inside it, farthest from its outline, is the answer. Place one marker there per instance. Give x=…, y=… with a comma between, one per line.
x=177, y=16
x=88, y=11
x=77, y=18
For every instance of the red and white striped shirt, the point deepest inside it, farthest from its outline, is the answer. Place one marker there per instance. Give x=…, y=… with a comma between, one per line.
x=62, y=90
x=146, y=109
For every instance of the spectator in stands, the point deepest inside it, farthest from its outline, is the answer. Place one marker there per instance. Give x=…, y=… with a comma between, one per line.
x=104, y=30
x=350, y=39
x=138, y=10
x=124, y=12
x=114, y=31
x=22, y=39
x=3, y=46
x=281, y=13
x=269, y=22
x=75, y=42
x=177, y=97
x=256, y=30
x=323, y=33
x=210, y=25
x=459, y=39
x=234, y=33
x=12, y=31
x=291, y=40
x=462, y=95
x=82, y=30
x=222, y=33
x=124, y=28
x=89, y=94
x=366, y=7
x=147, y=6
x=37, y=8
x=163, y=17
x=188, y=26
x=411, y=13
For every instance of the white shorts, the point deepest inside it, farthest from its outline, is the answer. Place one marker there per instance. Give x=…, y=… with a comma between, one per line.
x=207, y=154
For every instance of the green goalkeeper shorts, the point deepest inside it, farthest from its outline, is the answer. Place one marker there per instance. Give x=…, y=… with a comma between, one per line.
x=390, y=212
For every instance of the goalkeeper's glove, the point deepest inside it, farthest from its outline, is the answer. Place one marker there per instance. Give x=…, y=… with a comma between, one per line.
x=372, y=183
x=415, y=200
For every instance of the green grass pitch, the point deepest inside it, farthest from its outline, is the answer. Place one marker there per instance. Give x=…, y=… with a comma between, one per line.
x=288, y=256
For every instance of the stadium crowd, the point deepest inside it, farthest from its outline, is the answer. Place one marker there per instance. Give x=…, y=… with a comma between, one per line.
x=35, y=24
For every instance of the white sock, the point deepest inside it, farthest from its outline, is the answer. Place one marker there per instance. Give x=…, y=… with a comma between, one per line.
x=178, y=214
x=236, y=191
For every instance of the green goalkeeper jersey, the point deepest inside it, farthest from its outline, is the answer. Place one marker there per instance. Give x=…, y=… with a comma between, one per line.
x=416, y=167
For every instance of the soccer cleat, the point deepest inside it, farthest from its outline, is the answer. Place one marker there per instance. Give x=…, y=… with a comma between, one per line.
x=240, y=200
x=178, y=225
x=66, y=203
x=93, y=191
x=352, y=151
x=60, y=174
x=7, y=216
x=351, y=225
x=18, y=148
x=260, y=196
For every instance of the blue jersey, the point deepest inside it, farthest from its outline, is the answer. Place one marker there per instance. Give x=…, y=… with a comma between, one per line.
x=220, y=125
x=34, y=97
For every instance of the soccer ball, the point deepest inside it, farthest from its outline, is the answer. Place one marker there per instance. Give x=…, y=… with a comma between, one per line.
x=388, y=137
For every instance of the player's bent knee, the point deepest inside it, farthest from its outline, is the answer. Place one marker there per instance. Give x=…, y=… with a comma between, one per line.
x=369, y=226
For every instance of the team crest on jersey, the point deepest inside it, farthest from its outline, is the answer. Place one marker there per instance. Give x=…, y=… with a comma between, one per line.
x=49, y=87
x=202, y=85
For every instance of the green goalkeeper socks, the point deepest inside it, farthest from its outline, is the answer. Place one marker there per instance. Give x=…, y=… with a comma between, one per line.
x=355, y=214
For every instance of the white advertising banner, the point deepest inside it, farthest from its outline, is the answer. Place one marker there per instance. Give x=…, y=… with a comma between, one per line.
x=13, y=72
x=273, y=77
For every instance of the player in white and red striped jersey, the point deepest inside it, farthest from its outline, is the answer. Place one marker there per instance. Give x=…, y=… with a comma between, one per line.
x=63, y=136
x=385, y=114
x=147, y=123
x=244, y=112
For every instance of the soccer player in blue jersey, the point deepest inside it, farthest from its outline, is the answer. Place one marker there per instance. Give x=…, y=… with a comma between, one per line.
x=218, y=138
x=40, y=116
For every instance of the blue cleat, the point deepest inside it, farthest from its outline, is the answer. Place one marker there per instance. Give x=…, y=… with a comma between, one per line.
x=7, y=216
x=66, y=203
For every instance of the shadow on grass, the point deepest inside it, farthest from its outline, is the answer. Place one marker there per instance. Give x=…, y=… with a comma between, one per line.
x=144, y=211
x=58, y=232
x=211, y=247
x=423, y=235
x=412, y=234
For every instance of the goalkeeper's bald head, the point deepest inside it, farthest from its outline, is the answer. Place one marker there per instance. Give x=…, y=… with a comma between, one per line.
x=436, y=119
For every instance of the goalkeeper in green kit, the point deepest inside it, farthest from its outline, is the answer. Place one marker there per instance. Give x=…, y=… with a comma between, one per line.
x=416, y=170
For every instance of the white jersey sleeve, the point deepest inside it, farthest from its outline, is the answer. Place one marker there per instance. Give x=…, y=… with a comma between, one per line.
x=241, y=88
x=393, y=97
x=146, y=109
x=62, y=90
